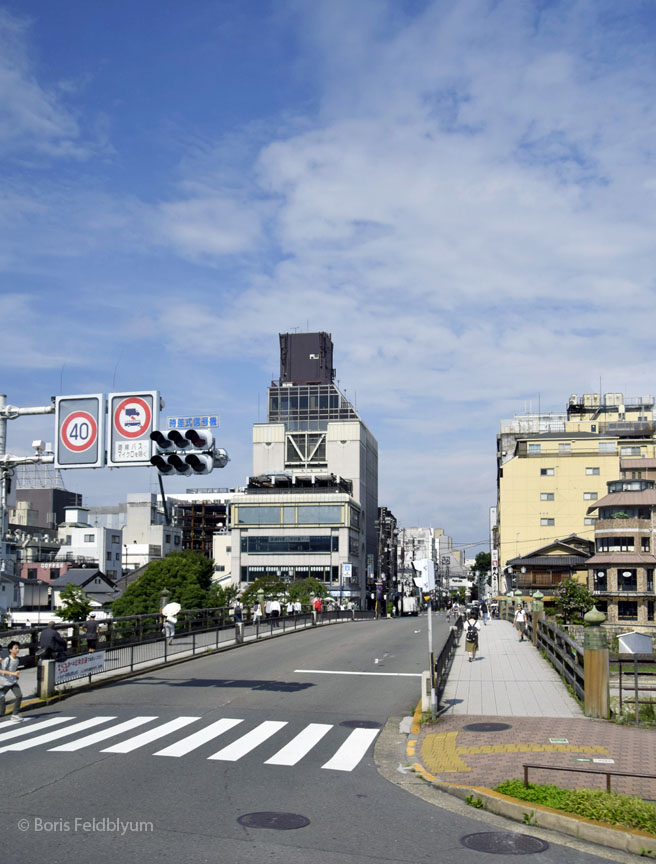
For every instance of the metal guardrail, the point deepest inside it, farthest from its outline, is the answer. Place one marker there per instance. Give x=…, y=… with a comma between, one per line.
x=607, y=774
x=634, y=674
x=445, y=657
x=132, y=655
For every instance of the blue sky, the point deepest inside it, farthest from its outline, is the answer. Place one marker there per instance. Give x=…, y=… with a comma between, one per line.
x=462, y=193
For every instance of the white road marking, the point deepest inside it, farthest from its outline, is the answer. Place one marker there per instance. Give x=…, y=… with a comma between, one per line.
x=301, y=745
x=191, y=742
x=338, y=672
x=249, y=742
x=352, y=750
x=58, y=733
x=152, y=735
x=19, y=731
x=79, y=743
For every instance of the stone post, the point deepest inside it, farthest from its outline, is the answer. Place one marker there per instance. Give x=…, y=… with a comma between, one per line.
x=595, y=666
x=537, y=613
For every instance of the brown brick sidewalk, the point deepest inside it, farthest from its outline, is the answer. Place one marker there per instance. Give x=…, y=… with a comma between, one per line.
x=451, y=753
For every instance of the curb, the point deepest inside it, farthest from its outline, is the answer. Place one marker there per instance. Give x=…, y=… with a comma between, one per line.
x=625, y=839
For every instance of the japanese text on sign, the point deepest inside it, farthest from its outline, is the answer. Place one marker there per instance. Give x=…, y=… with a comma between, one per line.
x=204, y=421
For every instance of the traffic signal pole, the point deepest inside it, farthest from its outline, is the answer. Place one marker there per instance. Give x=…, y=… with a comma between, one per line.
x=7, y=463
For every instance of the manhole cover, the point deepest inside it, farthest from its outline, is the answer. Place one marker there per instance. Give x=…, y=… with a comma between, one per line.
x=504, y=843
x=487, y=727
x=361, y=724
x=274, y=820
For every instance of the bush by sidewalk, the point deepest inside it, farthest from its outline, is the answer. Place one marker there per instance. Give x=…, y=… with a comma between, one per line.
x=594, y=804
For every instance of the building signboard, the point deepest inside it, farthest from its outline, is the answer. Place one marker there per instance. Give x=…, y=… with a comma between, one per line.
x=79, y=667
x=200, y=421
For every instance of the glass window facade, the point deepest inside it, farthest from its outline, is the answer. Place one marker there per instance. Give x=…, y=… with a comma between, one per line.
x=288, y=514
x=328, y=573
x=285, y=545
x=308, y=408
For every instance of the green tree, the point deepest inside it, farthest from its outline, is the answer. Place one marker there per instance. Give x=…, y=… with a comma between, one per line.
x=572, y=600
x=306, y=589
x=483, y=562
x=270, y=586
x=187, y=577
x=222, y=595
x=75, y=604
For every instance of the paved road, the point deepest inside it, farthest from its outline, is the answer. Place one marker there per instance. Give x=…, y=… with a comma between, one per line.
x=162, y=767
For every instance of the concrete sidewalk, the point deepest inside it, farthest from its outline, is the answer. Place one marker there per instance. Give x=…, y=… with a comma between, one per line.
x=508, y=708
x=507, y=678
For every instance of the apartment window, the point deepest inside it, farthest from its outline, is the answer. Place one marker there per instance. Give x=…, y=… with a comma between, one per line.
x=535, y=448
x=644, y=544
x=615, y=544
x=117, y=556
x=31, y=573
x=590, y=496
x=116, y=538
x=650, y=579
x=167, y=538
x=608, y=447
x=600, y=582
x=220, y=568
x=89, y=538
x=109, y=556
x=589, y=520
x=650, y=610
x=594, y=471
x=627, y=579
x=177, y=541
x=228, y=548
x=547, y=521
x=565, y=448
x=546, y=472
x=630, y=451
x=627, y=610
x=546, y=496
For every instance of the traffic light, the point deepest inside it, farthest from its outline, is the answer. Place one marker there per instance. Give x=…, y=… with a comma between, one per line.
x=194, y=452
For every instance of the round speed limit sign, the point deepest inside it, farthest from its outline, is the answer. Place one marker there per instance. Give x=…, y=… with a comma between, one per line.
x=79, y=431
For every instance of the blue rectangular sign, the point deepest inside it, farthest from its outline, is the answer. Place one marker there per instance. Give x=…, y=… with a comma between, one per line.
x=202, y=421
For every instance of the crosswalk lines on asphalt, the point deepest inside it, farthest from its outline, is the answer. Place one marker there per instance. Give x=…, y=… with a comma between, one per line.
x=348, y=754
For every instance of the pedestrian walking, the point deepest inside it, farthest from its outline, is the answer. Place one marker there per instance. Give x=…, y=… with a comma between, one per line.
x=91, y=627
x=472, y=629
x=9, y=676
x=169, y=628
x=297, y=607
x=520, y=622
x=484, y=613
x=290, y=608
x=238, y=612
x=267, y=609
x=275, y=611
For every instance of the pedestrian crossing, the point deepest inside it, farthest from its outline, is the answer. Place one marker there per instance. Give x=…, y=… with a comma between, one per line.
x=266, y=739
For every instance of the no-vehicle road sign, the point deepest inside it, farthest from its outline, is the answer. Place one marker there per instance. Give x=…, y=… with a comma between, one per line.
x=132, y=417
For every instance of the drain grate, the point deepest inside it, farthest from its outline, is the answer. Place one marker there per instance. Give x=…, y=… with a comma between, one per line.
x=504, y=843
x=274, y=820
x=487, y=727
x=361, y=724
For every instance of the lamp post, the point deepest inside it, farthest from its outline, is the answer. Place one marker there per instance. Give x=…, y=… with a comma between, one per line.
x=164, y=598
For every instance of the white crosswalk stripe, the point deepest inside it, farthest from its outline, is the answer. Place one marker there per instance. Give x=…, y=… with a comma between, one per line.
x=352, y=750
x=301, y=745
x=28, y=728
x=95, y=737
x=152, y=735
x=191, y=742
x=249, y=742
x=58, y=733
x=349, y=754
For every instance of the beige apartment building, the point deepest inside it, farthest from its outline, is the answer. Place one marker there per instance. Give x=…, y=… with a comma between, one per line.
x=552, y=467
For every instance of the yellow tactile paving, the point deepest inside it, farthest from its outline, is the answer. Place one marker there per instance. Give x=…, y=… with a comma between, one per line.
x=440, y=752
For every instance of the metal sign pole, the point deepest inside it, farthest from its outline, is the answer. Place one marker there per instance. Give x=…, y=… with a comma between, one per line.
x=431, y=659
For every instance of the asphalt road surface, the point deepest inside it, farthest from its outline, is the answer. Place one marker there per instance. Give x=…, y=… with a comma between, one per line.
x=275, y=752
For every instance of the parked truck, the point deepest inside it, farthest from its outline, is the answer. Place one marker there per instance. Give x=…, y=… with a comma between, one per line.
x=410, y=606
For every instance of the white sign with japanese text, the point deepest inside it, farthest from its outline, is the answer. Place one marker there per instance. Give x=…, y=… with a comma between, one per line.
x=79, y=667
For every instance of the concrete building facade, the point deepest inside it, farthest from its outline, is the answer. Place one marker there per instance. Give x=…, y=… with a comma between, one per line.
x=551, y=467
